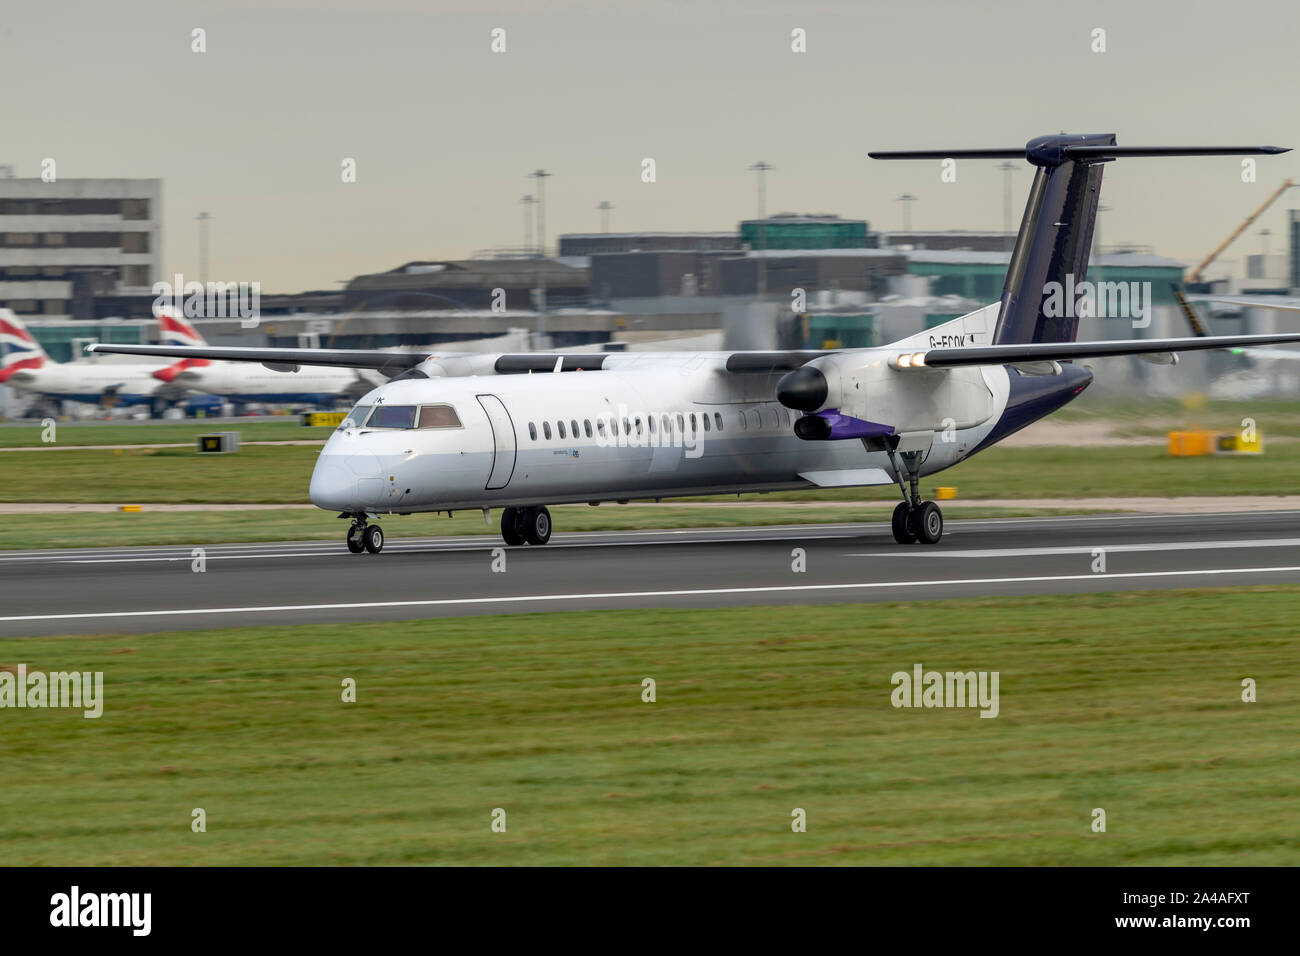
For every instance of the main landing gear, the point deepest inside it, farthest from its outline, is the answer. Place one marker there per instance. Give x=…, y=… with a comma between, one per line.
x=526, y=525
x=914, y=520
x=364, y=537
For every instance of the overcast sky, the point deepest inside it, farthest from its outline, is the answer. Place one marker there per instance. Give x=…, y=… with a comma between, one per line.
x=444, y=131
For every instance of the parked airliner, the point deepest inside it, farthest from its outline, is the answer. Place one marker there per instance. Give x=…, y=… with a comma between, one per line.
x=524, y=431
x=24, y=365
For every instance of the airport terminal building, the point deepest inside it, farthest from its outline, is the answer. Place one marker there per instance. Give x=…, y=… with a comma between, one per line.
x=63, y=243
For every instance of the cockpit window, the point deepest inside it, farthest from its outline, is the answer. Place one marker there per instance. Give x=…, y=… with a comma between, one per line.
x=392, y=416
x=356, y=418
x=438, y=416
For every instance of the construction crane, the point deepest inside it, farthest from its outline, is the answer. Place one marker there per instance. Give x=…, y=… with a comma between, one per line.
x=1195, y=274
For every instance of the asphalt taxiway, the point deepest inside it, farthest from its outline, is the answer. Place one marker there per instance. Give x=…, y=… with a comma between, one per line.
x=149, y=589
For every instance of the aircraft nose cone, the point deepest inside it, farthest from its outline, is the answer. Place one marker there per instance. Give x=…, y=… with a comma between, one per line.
x=804, y=389
x=333, y=485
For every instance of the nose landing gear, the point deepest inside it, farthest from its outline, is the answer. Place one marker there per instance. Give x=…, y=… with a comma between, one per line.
x=526, y=525
x=364, y=537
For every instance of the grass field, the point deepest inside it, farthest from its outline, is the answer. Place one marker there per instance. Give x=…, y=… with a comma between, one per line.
x=288, y=428
x=1153, y=417
x=1127, y=702
x=279, y=474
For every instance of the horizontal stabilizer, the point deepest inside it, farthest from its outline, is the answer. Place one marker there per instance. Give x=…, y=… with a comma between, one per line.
x=1057, y=351
x=1054, y=152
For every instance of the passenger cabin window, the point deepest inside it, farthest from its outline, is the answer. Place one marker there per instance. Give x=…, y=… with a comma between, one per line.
x=532, y=431
x=546, y=429
x=586, y=426
x=438, y=416
x=393, y=416
x=704, y=419
x=573, y=427
x=743, y=423
x=560, y=426
x=717, y=420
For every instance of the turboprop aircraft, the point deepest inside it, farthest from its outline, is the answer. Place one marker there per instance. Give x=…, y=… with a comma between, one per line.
x=456, y=431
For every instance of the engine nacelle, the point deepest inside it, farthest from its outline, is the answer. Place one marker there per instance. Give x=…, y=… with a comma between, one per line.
x=863, y=394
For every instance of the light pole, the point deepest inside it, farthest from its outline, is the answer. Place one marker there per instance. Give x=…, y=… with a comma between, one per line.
x=203, y=218
x=1096, y=239
x=604, y=206
x=541, y=176
x=762, y=169
x=1007, y=169
x=907, y=199
x=528, y=202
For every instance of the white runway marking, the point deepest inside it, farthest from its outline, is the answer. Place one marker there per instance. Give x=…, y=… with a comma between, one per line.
x=633, y=595
x=1080, y=549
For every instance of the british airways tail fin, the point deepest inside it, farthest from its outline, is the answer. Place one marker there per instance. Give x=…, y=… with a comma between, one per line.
x=18, y=350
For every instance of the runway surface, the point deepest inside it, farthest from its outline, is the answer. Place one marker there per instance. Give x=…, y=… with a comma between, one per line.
x=145, y=589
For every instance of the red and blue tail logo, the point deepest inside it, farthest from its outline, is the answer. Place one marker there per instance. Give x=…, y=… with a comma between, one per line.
x=18, y=350
x=176, y=330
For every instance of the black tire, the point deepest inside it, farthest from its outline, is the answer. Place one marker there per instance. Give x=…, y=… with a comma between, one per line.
x=373, y=539
x=355, y=544
x=929, y=523
x=904, y=524
x=537, y=525
x=512, y=526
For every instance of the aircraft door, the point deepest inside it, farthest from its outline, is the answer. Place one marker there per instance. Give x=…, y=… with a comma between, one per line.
x=503, y=441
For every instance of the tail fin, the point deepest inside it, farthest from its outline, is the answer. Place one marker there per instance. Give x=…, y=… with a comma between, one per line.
x=1054, y=244
x=18, y=350
x=1056, y=232
x=176, y=330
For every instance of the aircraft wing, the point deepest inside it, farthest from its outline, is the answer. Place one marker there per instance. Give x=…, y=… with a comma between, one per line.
x=1056, y=351
x=344, y=358
x=1257, y=302
x=284, y=358
x=1270, y=354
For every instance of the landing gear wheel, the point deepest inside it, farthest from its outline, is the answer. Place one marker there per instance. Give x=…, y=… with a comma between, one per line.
x=355, y=544
x=373, y=539
x=904, y=524
x=512, y=526
x=929, y=523
x=537, y=525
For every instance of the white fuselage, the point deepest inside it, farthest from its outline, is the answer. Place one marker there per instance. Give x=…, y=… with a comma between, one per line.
x=89, y=381
x=256, y=383
x=509, y=449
